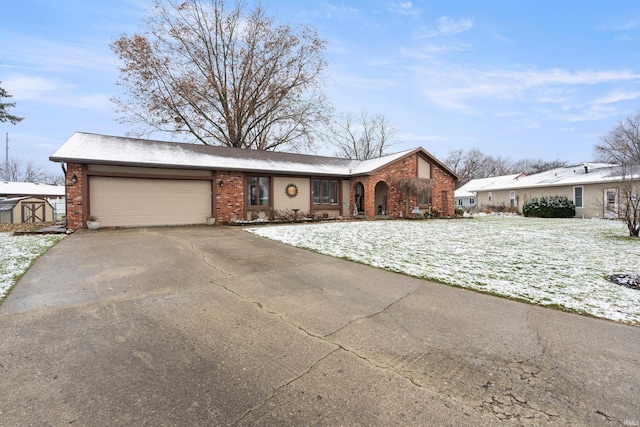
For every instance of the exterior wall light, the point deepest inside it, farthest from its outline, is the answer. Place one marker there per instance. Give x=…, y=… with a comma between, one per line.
x=221, y=183
x=74, y=178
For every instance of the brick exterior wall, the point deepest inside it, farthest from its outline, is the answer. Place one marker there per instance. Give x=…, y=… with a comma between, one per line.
x=229, y=199
x=443, y=191
x=75, y=196
x=442, y=194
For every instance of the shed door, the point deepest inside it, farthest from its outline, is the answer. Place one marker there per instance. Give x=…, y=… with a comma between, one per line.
x=130, y=202
x=33, y=212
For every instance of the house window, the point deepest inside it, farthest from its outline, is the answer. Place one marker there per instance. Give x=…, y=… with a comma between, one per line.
x=258, y=191
x=459, y=202
x=325, y=192
x=512, y=198
x=472, y=202
x=490, y=196
x=577, y=196
x=425, y=198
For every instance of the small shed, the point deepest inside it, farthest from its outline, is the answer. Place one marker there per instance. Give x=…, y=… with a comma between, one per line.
x=19, y=210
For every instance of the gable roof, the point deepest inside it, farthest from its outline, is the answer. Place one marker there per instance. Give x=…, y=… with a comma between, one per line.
x=9, y=204
x=30, y=189
x=580, y=174
x=113, y=150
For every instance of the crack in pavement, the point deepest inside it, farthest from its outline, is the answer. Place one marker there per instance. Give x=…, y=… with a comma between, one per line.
x=203, y=254
x=497, y=396
x=282, y=386
x=391, y=304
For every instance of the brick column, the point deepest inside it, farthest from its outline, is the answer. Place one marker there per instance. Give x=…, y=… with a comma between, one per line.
x=74, y=193
x=229, y=199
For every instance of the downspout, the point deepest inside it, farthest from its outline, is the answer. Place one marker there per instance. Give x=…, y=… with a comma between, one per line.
x=64, y=171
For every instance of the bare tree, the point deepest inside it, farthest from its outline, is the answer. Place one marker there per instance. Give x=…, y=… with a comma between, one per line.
x=467, y=164
x=223, y=76
x=533, y=166
x=621, y=146
x=365, y=137
x=496, y=166
x=18, y=171
x=474, y=164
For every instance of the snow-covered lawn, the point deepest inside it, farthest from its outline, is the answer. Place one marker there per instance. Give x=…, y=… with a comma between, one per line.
x=554, y=262
x=16, y=255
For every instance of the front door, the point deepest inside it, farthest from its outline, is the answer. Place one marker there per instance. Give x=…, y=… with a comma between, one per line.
x=359, y=202
x=611, y=203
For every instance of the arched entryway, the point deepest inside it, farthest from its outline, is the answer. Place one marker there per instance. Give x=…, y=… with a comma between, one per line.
x=358, y=208
x=381, y=196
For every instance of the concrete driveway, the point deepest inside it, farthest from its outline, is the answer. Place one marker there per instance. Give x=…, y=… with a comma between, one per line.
x=215, y=326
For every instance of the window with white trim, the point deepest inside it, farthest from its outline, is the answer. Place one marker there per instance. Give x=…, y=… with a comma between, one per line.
x=578, y=196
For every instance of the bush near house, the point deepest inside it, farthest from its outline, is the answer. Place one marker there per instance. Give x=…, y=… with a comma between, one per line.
x=549, y=207
x=499, y=209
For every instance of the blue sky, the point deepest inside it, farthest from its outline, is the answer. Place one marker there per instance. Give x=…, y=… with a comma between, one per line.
x=518, y=79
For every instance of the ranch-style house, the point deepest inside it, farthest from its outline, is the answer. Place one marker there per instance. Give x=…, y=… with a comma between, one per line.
x=127, y=182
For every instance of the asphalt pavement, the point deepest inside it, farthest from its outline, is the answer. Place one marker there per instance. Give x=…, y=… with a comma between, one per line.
x=214, y=326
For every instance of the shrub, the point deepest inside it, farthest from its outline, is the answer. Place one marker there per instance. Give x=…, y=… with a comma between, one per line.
x=459, y=211
x=499, y=209
x=549, y=207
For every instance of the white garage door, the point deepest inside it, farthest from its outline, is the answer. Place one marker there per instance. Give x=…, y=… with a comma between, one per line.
x=129, y=202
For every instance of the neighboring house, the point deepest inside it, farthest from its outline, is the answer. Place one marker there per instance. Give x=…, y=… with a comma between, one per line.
x=53, y=194
x=593, y=188
x=465, y=199
x=17, y=210
x=466, y=196
x=136, y=182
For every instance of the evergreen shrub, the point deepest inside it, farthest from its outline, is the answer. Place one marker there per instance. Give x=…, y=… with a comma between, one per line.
x=549, y=207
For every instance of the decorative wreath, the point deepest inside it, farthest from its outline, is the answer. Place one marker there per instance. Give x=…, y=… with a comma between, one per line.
x=291, y=191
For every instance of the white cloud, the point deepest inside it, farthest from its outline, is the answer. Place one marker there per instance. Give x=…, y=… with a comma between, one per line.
x=338, y=12
x=447, y=25
x=406, y=137
x=404, y=8
x=459, y=88
x=30, y=88
x=628, y=25
x=616, y=96
x=58, y=56
x=428, y=50
x=53, y=92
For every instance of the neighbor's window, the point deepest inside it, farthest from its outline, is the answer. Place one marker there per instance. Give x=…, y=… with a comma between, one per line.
x=577, y=196
x=472, y=201
x=490, y=195
x=325, y=192
x=258, y=190
x=512, y=198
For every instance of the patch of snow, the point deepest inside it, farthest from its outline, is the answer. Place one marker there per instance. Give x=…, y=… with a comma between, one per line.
x=563, y=262
x=16, y=255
